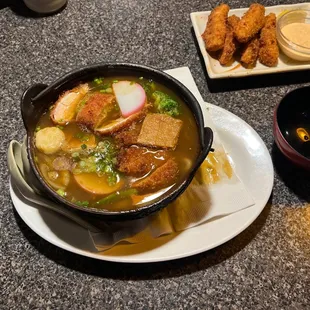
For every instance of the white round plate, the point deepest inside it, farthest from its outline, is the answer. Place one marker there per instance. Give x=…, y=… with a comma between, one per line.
x=252, y=164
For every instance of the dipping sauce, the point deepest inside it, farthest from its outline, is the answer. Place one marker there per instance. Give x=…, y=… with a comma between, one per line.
x=299, y=33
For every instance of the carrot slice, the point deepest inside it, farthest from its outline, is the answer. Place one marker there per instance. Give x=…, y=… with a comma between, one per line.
x=94, y=184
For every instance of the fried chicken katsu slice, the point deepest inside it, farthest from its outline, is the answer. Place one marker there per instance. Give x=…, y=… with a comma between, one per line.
x=95, y=110
x=138, y=161
x=269, y=50
x=129, y=135
x=250, y=52
x=251, y=23
x=231, y=43
x=216, y=29
x=163, y=176
x=135, y=161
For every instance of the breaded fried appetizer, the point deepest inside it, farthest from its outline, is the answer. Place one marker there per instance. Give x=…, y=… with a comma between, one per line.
x=269, y=50
x=233, y=21
x=216, y=29
x=251, y=23
x=250, y=52
x=231, y=43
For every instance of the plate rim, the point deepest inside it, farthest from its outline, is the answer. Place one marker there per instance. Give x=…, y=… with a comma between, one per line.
x=250, y=72
x=122, y=259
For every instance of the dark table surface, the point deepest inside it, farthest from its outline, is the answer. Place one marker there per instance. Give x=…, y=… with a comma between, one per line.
x=265, y=267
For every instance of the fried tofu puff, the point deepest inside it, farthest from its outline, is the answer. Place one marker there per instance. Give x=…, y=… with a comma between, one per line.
x=216, y=29
x=250, y=52
x=269, y=50
x=251, y=23
x=231, y=44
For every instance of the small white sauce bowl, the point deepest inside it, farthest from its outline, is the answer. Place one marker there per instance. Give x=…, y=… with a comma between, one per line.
x=290, y=48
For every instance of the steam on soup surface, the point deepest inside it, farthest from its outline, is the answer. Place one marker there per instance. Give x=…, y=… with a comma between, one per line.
x=115, y=143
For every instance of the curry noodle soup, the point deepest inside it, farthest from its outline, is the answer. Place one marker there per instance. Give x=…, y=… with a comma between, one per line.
x=115, y=143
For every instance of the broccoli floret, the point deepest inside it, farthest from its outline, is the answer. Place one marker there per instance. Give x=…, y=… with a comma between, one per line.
x=165, y=104
x=148, y=86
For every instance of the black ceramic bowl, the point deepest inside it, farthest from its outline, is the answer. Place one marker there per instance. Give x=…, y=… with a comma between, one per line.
x=39, y=97
x=291, y=121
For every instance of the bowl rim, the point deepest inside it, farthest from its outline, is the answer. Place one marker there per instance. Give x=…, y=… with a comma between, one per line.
x=151, y=207
x=291, y=43
x=276, y=123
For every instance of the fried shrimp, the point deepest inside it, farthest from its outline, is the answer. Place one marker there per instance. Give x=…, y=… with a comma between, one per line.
x=269, y=50
x=250, y=51
x=251, y=23
x=231, y=43
x=216, y=29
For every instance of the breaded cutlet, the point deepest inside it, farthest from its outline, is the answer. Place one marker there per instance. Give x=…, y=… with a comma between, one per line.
x=162, y=177
x=95, y=110
x=135, y=161
x=128, y=136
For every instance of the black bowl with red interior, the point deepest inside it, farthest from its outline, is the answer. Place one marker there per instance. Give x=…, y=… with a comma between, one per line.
x=39, y=99
x=291, y=126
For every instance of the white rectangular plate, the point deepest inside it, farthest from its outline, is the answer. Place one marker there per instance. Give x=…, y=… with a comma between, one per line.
x=216, y=71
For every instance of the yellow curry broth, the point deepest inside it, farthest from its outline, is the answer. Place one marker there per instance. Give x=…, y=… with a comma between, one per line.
x=184, y=154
